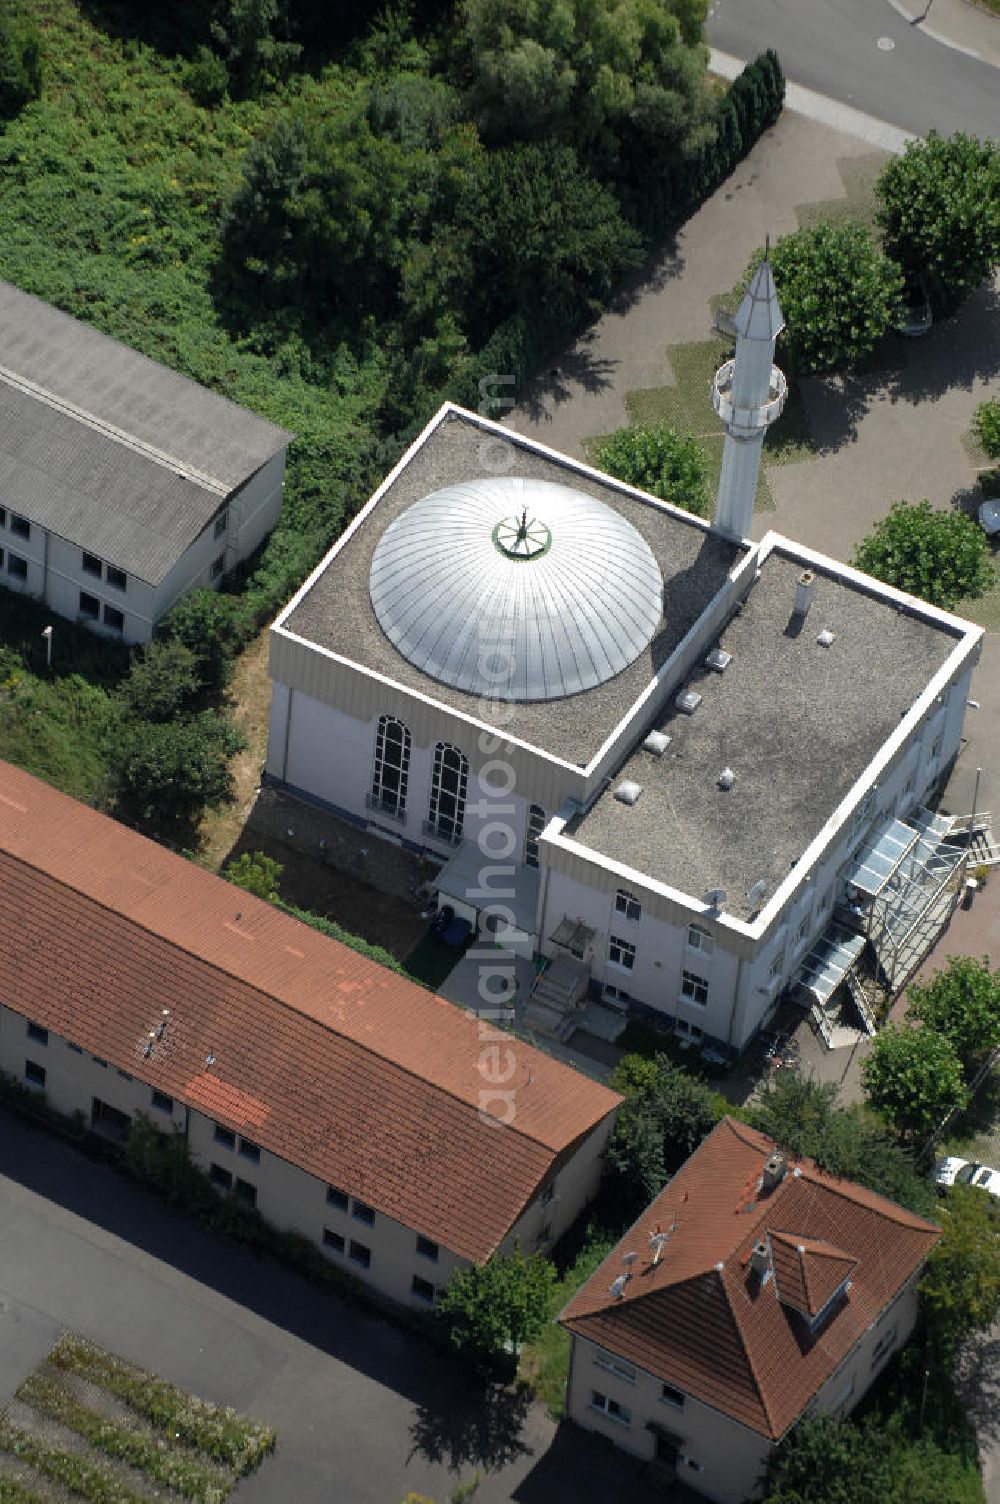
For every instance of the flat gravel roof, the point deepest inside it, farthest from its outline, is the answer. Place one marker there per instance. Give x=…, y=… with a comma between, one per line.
x=795, y=721
x=336, y=613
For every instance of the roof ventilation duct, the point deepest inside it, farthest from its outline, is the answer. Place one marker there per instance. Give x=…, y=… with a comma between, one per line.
x=760, y=1259
x=727, y=778
x=774, y=1171
x=688, y=701
x=628, y=791
x=805, y=587
x=719, y=660
x=656, y=742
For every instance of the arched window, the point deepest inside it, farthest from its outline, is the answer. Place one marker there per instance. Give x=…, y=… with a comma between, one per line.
x=392, y=767
x=450, y=780
x=537, y=821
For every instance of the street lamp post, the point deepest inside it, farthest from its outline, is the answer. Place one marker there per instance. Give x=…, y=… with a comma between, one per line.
x=47, y=633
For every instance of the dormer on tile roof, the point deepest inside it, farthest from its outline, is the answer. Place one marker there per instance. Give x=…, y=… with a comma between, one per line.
x=809, y=1273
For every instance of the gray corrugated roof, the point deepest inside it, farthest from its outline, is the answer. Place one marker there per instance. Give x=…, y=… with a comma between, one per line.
x=109, y=449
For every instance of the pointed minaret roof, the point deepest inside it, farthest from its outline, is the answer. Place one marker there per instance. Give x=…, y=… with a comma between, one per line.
x=759, y=315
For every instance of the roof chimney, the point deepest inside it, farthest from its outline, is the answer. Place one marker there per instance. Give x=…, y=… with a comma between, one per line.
x=774, y=1171
x=805, y=586
x=760, y=1259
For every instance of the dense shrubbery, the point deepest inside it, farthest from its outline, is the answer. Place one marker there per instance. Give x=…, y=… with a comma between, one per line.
x=943, y=557
x=986, y=426
x=665, y=1116
x=939, y=211
x=660, y=460
x=20, y=66
x=840, y=296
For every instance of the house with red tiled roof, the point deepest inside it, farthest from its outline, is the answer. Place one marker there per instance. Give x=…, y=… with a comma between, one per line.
x=403, y=1136
x=754, y=1288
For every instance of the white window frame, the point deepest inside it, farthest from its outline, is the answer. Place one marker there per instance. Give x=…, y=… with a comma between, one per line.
x=391, y=800
x=537, y=821
x=621, y=953
x=691, y=985
x=446, y=809
x=884, y=1345
x=610, y=1408
x=700, y=939
x=610, y=1364
x=628, y=906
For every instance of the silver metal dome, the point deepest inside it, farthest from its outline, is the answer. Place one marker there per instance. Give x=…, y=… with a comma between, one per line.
x=522, y=588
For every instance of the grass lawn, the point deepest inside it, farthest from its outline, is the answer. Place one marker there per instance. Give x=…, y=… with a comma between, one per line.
x=90, y=1425
x=544, y=1364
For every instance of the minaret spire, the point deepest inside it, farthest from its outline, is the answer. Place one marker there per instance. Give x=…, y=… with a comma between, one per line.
x=748, y=394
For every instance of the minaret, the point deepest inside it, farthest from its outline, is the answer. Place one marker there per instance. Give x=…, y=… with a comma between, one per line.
x=748, y=394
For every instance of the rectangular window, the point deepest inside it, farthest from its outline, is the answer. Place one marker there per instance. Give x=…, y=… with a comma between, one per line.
x=221, y=1178
x=627, y=905
x=333, y=1240
x=20, y=526
x=92, y=565
x=427, y=1249
x=615, y=994
x=804, y=929
x=114, y=618
x=161, y=1101
x=698, y=938
x=74, y=1047
x=3, y=516
x=884, y=1345
x=124, y=1075
x=694, y=989
x=117, y=578
x=37, y=1033
x=422, y=1289
x=671, y=1396
x=548, y=1195
x=244, y=1191
x=336, y=1198
x=612, y=1365
x=34, y=1074
x=362, y=1213
x=695, y=1467
x=218, y=565
x=775, y=966
x=360, y=1254
x=221, y=523
x=621, y=953
x=224, y=1136
x=1, y=558
x=17, y=567
x=98, y=1061
x=613, y=1409
x=90, y=606
x=250, y=1150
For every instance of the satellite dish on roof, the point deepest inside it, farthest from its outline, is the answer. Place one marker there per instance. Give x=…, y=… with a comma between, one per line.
x=716, y=897
x=758, y=892
x=628, y=1259
x=617, y=1287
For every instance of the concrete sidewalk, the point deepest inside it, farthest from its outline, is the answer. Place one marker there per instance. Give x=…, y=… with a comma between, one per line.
x=955, y=23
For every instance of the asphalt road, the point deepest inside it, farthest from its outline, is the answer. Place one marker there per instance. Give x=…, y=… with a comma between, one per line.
x=832, y=46
x=364, y=1411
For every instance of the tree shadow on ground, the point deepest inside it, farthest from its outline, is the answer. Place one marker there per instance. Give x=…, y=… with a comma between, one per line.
x=580, y=1464
x=578, y=366
x=665, y=264
x=977, y=1385
x=172, y=30
x=481, y=1428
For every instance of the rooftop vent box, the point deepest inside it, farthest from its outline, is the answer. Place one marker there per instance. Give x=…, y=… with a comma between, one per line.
x=719, y=660
x=825, y=638
x=688, y=700
x=727, y=778
x=760, y=1260
x=628, y=791
x=805, y=587
x=657, y=742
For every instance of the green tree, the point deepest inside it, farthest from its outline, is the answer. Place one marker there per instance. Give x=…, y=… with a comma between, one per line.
x=165, y=775
x=828, y=1460
x=163, y=679
x=913, y=1077
x=210, y=626
x=939, y=210
x=986, y=426
x=962, y=1002
x=491, y=1310
x=251, y=39
x=20, y=66
x=621, y=80
x=960, y=1289
x=942, y=557
x=801, y=1114
x=659, y=460
x=664, y=1118
x=257, y=873
x=838, y=293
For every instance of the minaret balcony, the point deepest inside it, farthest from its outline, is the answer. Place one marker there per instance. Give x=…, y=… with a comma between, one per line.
x=748, y=419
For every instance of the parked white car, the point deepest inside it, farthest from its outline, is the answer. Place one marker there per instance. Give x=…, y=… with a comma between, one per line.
x=955, y=1171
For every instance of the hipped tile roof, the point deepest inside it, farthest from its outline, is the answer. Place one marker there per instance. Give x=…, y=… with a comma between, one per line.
x=340, y=1066
x=702, y=1320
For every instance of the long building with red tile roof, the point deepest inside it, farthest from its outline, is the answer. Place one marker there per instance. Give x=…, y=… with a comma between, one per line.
x=751, y=1288
x=132, y=979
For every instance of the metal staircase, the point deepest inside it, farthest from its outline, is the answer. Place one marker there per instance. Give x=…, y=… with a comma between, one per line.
x=557, y=998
